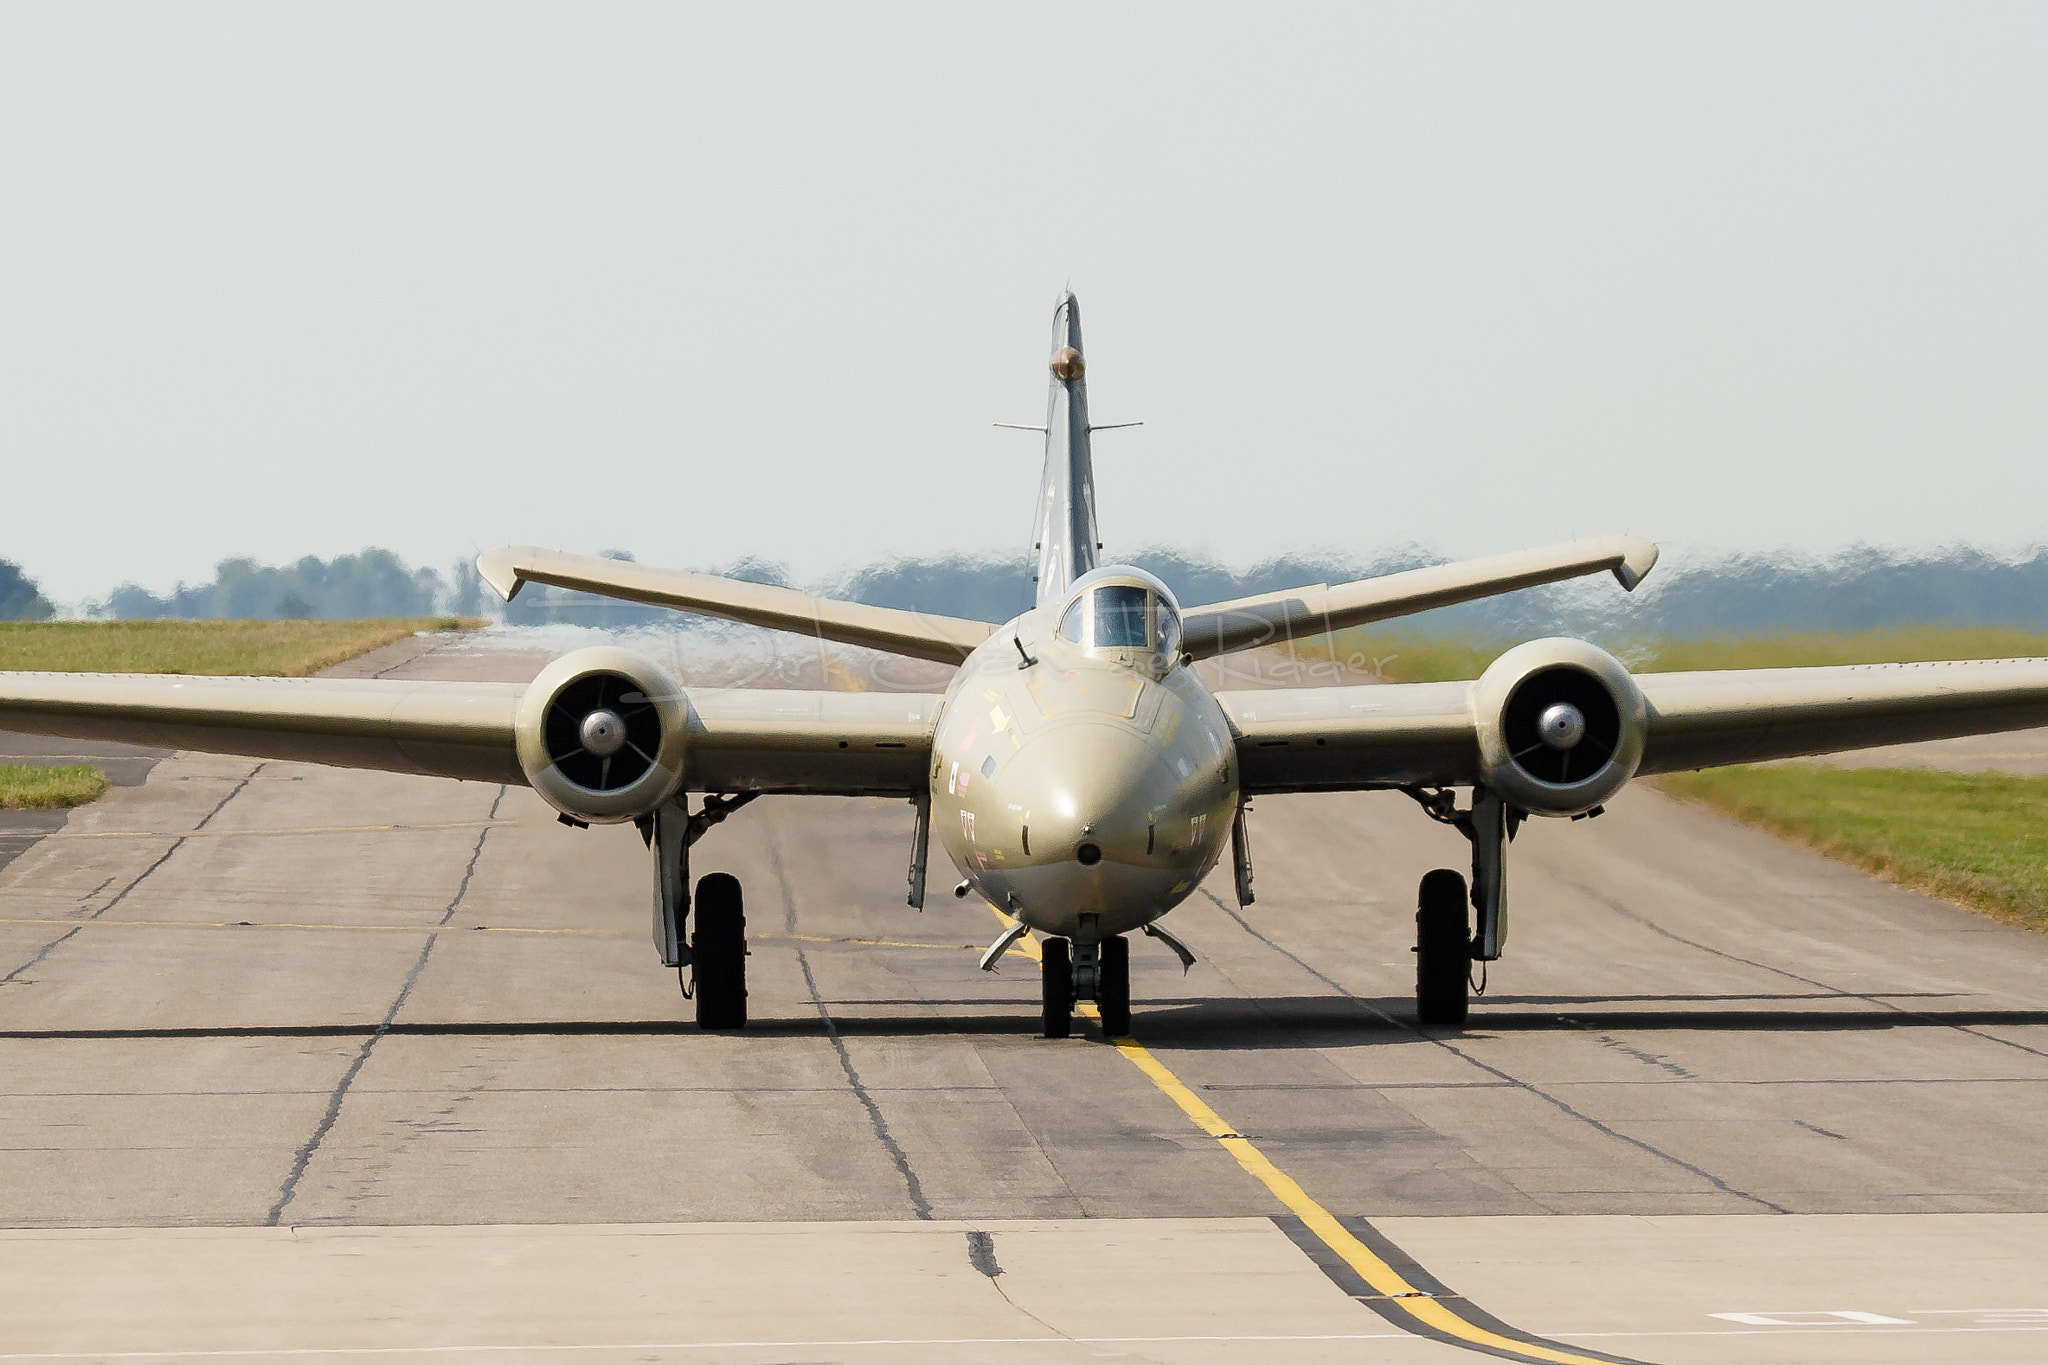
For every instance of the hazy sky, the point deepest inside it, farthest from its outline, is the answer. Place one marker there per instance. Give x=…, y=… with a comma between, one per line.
x=703, y=281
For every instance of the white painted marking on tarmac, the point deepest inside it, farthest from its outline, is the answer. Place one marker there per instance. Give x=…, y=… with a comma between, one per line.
x=1830, y=1318
x=1840, y=1329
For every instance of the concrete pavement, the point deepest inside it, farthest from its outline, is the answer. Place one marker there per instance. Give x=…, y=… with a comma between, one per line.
x=421, y=1023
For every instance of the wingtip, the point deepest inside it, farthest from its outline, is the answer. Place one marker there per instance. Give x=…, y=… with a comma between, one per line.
x=1638, y=557
x=500, y=569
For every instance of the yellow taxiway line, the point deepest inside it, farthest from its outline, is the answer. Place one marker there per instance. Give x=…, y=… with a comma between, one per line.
x=1425, y=1309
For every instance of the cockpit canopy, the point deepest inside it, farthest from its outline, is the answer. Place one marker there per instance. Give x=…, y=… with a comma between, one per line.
x=1126, y=609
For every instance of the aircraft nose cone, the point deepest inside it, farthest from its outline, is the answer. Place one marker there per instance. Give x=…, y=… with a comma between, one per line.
x=1110, y=831
x=1084, y=785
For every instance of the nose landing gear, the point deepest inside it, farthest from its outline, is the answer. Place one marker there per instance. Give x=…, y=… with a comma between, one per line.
x=1101, y=970
x=1113, y=987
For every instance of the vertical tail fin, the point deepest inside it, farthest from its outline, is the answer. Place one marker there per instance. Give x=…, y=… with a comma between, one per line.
x=1066, y=492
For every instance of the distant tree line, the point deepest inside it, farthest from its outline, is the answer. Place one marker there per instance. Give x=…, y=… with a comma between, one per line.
x=1858, y=589
x=347, y=587
x=20, y=598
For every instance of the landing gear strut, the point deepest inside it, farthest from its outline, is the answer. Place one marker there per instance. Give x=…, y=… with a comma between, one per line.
x=1443, y=949
x=1447, y=942
x=713, y=961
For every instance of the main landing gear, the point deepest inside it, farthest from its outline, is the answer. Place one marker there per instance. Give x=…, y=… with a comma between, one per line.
x=1443, y=950
x=712, y=963
x=1102, y=971
x=718, y=953
x=1454, y=929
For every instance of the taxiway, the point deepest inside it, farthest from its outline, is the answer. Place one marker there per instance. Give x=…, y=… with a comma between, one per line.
x=306, y=1063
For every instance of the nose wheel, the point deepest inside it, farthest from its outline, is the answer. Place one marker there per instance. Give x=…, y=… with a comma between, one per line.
x=1443, y=949
x=1112, y=971
x=1113, y=987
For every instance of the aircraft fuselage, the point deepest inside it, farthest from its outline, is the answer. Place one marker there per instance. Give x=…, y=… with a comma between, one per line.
x=1089, y=791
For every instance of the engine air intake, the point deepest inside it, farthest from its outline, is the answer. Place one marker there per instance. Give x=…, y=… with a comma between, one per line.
x=602, y=732
x=1561, y=725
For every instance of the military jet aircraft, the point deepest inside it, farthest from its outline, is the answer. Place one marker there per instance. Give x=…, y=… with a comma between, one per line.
x=1081, y=777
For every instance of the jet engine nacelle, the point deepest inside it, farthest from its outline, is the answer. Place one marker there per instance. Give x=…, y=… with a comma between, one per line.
x=601, y=735
x=1561, y=726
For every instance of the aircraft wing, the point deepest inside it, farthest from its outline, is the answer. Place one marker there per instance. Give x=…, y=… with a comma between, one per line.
x=1704, y=720
x=1426, y=734
x=1249, y=622
x=942, y=639
x=826, y=743
x=1292, y=739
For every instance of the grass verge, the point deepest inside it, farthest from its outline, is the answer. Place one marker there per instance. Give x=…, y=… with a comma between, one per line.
x=1978, y=840
x=287, y=649
x=26, y=787
x=1418, y=657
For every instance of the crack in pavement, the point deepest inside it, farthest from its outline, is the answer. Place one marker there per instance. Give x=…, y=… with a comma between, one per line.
x=179, y=842
x=304, y=1156
x=1834, y=992
x=876, y=1121
x=1562, y=1106
x=176, y=844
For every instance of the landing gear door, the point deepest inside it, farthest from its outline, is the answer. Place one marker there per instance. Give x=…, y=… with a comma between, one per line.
x=671, y=847
x=1489, y=874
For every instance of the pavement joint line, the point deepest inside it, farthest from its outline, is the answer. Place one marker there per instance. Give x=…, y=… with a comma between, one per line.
x=480, y=928
x=350, y=928
x=304, y=1156
x=875, y=1342
x=177, y=843
x=879, y=1342
x=1432, y=1318
x=1626, y=912
x=877, y=1121
x=1608, y=1130
x=304, y=829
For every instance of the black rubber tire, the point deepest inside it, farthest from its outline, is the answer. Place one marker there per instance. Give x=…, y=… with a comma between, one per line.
x=1113, y=987
x=1443, y=949
x=1056, y=987
x=718, y=953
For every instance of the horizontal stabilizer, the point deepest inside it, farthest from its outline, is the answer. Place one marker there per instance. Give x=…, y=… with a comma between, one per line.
x=1250, y=622
x=942, y=639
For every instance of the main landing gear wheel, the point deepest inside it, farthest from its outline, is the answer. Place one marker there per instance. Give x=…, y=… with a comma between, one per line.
x=1443, y=949
x=718, y=953
x=1056, y=985
x=1113, y=987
